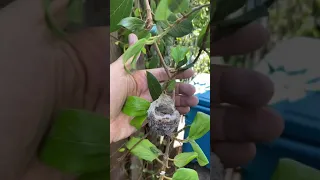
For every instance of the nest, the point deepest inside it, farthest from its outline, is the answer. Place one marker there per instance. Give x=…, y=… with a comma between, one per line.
x=163, y=118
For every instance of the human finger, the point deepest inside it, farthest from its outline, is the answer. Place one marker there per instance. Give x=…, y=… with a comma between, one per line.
x=239, y=86
x=190, y=101
x=245, y=124
x=246, y=39
x=234, y=154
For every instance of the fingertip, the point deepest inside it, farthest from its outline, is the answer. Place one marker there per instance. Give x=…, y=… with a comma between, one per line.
x=132, y=39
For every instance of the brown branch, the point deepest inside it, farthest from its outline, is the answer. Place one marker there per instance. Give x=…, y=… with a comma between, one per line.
x=165, y=158
x=149, y=21
x=163, y=63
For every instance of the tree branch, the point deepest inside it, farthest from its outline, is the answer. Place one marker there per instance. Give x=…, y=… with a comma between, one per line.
x=165, y=158
x=149, y=21
x=166, y=68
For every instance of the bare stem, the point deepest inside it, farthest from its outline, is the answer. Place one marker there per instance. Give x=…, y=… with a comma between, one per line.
x=166, y=68
x=149, y=20
x=166, y=158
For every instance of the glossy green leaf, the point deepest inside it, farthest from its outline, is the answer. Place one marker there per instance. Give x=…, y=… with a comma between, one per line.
x=144, y=150
x=135, y=106
x=183, y=28
x=143, y=34
x=154, y=86
x=202, y=159
x=132, y=23
x=119, y=9
x=134, y=49
x=200, y=126
x=138, y=121
x=153, y=5
x=178, y=6
x=183, y=159
x=137, y=12
x=226, y=7
x=185, y=174
x=102, y=175
x=77, y=143
x=162, y=13
x=75, y=11
x=178, y=53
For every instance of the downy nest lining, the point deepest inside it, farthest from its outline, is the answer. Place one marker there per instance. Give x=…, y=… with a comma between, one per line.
x=163, y=118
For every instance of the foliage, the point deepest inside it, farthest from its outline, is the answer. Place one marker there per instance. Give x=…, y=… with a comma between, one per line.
x=173, y=34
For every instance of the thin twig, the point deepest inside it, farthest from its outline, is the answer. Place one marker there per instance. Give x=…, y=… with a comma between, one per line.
x=166, y=158
x=187, y=126
x=166, y=68
x=149, y=20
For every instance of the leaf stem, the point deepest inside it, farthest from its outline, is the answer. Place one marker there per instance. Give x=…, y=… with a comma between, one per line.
x=165, y=177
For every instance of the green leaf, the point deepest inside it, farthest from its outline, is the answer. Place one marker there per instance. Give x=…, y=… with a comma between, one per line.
x=154, y=62
x=121, y=150
x=134, y=49
x=178, y=6
x=119, y=9
x=138, y=121
x=153, y=5
x=77, y=143
x=143, y=34
x=137, y=12
x=136, y=106
x=183, y=159
x=178, y=53
x=185, y=174
x=102, y=175
x=226, y=7
x=132, y=23
x=154, y=86
x=202, y=159
x=200, y=126
x=162, y=13
x=183, y=28
x=75, y=11
x=170, y=85
x=143, y=149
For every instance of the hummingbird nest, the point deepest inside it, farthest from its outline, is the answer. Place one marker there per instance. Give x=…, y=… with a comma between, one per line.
x=163, y=118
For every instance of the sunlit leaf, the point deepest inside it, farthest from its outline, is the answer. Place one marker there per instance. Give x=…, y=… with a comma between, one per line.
x=185, y=174
x=135, y=106
x=162, y=13
x=132, y=23
x=138, y=121
x=200, y=126
x=183, y=159
x=143, y=149
x=201, y=158
x=134, y=49
x=178, y=53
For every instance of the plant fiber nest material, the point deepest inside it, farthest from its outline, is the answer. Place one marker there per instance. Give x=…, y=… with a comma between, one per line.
x=163, y=118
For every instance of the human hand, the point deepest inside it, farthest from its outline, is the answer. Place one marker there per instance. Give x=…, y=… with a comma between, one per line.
x=41, y=74
x=123, y=84
x=235, y=129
